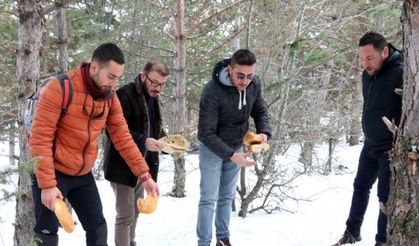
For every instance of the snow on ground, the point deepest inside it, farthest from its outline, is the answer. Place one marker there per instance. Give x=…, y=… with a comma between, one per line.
x=319, y=219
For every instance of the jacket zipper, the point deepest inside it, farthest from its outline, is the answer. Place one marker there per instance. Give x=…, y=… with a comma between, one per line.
x=88, y=139
x=148, y=126
x=368, y=100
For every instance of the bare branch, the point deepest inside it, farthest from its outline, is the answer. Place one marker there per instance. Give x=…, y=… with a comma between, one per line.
x=199, y=12
x=204, y=56
x=168, y=11
x=209, y=18
x=52, y=7
x=391, y=126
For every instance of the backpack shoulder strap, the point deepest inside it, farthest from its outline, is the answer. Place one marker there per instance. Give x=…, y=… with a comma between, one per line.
x=67, y=89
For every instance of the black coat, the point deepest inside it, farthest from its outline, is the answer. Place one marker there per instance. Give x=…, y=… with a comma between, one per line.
x=222, y=124
x=134, y=105
x=381, y=100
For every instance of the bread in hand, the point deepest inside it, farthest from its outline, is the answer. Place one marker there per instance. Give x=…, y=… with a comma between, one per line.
x=147, y=205
x=257, y=148
x=251, y=138
x=176, y=141
x=63, y=215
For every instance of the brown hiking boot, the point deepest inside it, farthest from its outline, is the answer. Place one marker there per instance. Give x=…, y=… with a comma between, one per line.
x=348, y=238
x=223, y=242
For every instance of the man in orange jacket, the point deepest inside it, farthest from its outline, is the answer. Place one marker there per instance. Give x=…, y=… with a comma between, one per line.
x=66, y=147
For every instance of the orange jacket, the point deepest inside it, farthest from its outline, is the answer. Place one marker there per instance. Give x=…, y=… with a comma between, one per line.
x=69, y=144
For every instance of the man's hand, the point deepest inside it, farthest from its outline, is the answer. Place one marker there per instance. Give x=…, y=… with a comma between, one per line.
x=151, y=187
x=264, y=137
x=153, y=145
x=48, y=197
x=241, y=159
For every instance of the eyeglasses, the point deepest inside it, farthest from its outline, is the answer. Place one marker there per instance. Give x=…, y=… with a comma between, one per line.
x=155, y=83
x=242, y=76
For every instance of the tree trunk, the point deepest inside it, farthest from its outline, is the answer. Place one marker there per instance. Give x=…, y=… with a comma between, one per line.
x=403, y=205
x=317, y=100
x=12, y=139
x=354, y=105
x=27, y=73
x=306, y=155
x=62, y=38
x=179, y=97
x=328, y=165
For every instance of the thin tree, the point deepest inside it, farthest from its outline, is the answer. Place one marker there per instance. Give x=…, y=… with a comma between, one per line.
x=181, y=31
x=179, y=96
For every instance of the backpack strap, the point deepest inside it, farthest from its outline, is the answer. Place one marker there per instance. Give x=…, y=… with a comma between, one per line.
x=67, y=89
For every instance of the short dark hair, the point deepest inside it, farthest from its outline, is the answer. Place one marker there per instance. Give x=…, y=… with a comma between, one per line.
x=243, y=57
x=377, y=40
x=107, y=52
x=156, y=65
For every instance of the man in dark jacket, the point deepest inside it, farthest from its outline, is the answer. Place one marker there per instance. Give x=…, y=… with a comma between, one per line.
x=227, y=101
x=383, y=73
x=140, y=104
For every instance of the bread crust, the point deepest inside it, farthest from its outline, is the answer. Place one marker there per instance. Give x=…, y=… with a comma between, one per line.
x=63, y=215
x=147, y=205
x=174, y=144
x=250, y=138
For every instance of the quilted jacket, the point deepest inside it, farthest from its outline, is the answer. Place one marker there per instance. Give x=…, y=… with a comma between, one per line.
x=69, y=144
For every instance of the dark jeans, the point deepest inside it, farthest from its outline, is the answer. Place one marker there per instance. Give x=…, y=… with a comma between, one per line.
x=83, y=195
x=372, y=165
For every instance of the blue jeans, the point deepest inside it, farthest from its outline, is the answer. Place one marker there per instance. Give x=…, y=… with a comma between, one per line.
x=217, y=187
x=372, y=165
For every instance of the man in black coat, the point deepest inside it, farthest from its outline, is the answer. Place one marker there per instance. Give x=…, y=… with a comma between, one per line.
x=140, y=103
x=227, y=101
x=383, y=73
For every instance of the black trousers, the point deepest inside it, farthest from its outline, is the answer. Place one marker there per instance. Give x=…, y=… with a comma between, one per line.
x=372, y=165
x=83, y=195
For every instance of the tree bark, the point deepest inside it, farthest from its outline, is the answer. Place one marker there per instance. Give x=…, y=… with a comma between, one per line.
x=317, y=99
x=178, y=122
x=27, y=73
x=354, y=105
x=62, y=39
x=12, y=139
x=403, y=206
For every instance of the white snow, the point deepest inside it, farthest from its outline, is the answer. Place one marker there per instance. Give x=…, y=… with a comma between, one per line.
x=319, y=219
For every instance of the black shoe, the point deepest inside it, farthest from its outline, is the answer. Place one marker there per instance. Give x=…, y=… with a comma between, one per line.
x=379, y=243
x=348, y=238
x=223, y=242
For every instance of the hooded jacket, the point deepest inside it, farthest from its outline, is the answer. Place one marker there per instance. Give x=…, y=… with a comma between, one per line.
x=133, y=100
x=69, y=144
x=224, y=112
x=381, y=100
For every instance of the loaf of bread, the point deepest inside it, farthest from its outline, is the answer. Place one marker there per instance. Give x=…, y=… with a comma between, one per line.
x=174, y=144
x=147, y=205
x=257, y=148
x=63, y=215
x=251, y=138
